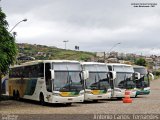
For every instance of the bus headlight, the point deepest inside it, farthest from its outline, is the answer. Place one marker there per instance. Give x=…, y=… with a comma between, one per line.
x=81, y=93
x=56, y=94
x=109, y=90
x=134, y=90
x=117, y=90
x=88, y=92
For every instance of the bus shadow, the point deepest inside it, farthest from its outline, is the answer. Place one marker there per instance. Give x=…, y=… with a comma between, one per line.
x=93, y=102
x=114, y=99
x=46, y=104
x=58, y=105
x=141, y=96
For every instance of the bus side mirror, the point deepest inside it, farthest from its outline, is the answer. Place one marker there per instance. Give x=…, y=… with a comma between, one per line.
x=112, y=75
x=137, y=75
x=152, y=76
x=52, y=74
x=85, y=74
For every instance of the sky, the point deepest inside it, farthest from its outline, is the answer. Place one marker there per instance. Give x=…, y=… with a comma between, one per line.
x=93, y=25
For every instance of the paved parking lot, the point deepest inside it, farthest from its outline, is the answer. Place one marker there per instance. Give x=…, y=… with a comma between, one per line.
x=149, y=104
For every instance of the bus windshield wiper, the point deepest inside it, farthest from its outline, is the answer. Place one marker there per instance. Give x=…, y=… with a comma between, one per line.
x=70, y=80
x=99, y=79
x=125, y=81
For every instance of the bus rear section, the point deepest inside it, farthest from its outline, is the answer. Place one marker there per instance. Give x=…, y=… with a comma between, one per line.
x=143, y=82
x=124, y=80
x=4, y=84
x=48, y=81
x=97, y=85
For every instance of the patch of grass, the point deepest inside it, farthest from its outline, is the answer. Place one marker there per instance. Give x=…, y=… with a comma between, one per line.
x=53, y=53
x=156, y=77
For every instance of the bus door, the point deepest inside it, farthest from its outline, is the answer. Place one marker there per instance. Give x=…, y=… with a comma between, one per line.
x=48, y=77
x=112, y=77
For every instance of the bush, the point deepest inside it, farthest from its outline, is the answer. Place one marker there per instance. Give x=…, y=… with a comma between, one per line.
x=156, y=72
x=141, y=62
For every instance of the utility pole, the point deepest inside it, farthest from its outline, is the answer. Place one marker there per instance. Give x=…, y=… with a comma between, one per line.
x=65, y=41
x=24, y=20
x=110, y=50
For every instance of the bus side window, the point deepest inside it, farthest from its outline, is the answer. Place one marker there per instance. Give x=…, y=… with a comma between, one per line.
x=48, y=77
x=11, y=73
x=41, y=70
x=110, y=68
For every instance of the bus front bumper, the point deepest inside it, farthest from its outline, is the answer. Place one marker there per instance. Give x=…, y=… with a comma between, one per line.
x=121, y=94
x=133, y=93
x=89, y=97
x=144, y=91
x=60, y=99
x=118, y=94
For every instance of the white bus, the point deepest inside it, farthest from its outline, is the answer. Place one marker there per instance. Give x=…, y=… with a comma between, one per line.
x=124, y=80
x=142, y=82
x=47, y=81
x=97, y=86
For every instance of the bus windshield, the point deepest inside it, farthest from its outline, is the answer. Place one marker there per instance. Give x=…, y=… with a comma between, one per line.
x=97, y=81
x=142, y=82
x=144, y=79
x=125, y=81
x=68, y=81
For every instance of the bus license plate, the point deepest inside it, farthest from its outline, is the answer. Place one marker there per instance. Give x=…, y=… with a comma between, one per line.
x=99, y=96
x=70, y=99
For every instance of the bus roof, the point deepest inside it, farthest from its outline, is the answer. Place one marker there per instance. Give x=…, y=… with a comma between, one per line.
x=94, y=66
x=44, y=61
x=92, y=63
x=121, y=67
x=118, y=64
x=136, y=66
x=141, y=69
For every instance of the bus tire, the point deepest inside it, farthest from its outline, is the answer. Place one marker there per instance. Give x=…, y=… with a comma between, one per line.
x=14, y=94
x=17, y=95
x=68, y=104
x=41, y=99
x=119, y=98
x=95, y=101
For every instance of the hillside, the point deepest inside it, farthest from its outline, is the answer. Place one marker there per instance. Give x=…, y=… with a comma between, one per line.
x=41, y=52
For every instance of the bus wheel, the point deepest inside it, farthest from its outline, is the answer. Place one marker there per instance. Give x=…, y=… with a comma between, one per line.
x=95, y=101
x=41, y=98
x=17, y=95
x=68, y=104
x=14, y=95
x=119, y=98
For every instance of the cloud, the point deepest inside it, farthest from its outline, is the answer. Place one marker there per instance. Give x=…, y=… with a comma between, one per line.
x=91, y=24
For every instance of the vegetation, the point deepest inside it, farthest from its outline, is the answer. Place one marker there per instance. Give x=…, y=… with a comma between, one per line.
x=8, y=49
x=41, y=52
x=141, y=62
x=156, y=73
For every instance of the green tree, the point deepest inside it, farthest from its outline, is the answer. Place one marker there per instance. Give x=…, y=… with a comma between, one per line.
x=8, y=48
x=141, y=62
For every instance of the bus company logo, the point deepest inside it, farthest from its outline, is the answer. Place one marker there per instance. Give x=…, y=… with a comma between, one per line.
x=41, y=82
x=9, y=117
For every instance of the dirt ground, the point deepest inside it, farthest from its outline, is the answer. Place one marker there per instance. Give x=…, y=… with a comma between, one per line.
x=145, y=104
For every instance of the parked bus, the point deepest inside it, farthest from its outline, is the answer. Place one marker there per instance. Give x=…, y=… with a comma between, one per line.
x=97, y=86
x=47, y=81
x=124, y=80
x=143, y=81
